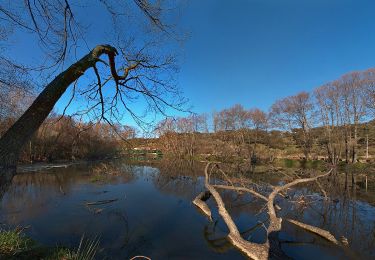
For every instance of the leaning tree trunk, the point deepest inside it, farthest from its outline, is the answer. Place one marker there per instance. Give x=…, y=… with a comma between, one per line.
x=21, y=132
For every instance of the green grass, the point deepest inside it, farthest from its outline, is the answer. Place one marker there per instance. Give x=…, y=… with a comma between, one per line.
x=13, y=242
x=60, y=253
x=15, y=245
x=305, y=164
x=357, y=167
x=86, y=251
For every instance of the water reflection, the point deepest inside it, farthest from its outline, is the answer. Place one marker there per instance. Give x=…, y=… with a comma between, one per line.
x=153, y=214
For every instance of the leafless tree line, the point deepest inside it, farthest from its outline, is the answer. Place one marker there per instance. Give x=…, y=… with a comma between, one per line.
x=64, y=138
x=329, y=121
x=338, y=108
x=179, y=135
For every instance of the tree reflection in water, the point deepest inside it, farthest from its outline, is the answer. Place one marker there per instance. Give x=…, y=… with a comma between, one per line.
x=154, y=208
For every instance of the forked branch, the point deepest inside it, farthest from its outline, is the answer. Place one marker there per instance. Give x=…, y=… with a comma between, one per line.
x=254, y=250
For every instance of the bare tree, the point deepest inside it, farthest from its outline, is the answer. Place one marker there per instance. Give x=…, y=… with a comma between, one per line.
x=344, y=104
x=353, y=87
x=142, y=72
x=295, y=112
x=259, y=121
x=179, y=135
x=167, y=132
x=371, y=99
x=233, y=118
x=329, y=106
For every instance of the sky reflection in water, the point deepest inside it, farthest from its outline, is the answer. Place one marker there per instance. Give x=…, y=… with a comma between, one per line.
x=154, y=216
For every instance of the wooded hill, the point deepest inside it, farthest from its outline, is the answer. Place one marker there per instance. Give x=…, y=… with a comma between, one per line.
x=261, y=145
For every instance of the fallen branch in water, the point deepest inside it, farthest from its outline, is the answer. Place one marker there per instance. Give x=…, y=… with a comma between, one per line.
x=256, y=194
x=252, y=250
x=100, y=202
x=275, y=222
x=270, y=247
x=94, y=210
x=321, y=232
x=200, y=202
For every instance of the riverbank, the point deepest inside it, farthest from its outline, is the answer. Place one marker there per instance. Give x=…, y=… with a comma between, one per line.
x=14, y=244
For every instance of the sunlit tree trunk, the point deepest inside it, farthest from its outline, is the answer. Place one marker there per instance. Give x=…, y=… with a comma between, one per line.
x=355, y=144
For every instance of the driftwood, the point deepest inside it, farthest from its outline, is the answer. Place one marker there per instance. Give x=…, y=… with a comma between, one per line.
x=200, y=202
x=318, y=231
x=244, y=189
x=250, y=249
x=40, y=167
x=275, y=222
x=94, y=210
x=100, y=202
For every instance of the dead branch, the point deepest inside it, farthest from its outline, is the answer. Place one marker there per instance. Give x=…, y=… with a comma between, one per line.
x=244, y=189
x=199, y=201
x=100, y=202
x=254, y=250
x=275, y=222
x=321, y=232
x=322, y=190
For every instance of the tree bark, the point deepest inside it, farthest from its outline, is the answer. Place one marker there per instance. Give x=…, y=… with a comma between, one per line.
x=355, y=143
x=22, y=130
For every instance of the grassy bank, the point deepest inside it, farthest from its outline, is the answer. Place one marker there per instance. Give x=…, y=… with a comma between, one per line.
x=305, y=164
x=14, y=244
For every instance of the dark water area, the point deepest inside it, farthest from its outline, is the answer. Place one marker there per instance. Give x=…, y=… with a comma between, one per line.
x=152, y=213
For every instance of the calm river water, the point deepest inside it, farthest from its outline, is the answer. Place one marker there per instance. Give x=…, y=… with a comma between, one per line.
x=152, y=214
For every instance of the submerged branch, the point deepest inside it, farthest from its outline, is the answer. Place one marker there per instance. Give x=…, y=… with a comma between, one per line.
x=318, y=231
x=100, y=202
x=199, y=201
x=254, y=250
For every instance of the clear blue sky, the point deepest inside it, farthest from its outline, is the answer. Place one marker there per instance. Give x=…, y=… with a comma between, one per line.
x=253, y=52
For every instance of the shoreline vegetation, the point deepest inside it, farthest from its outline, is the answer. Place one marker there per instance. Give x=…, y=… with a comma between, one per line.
x=105, y=166
x=100, y=170
x=14, y=244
